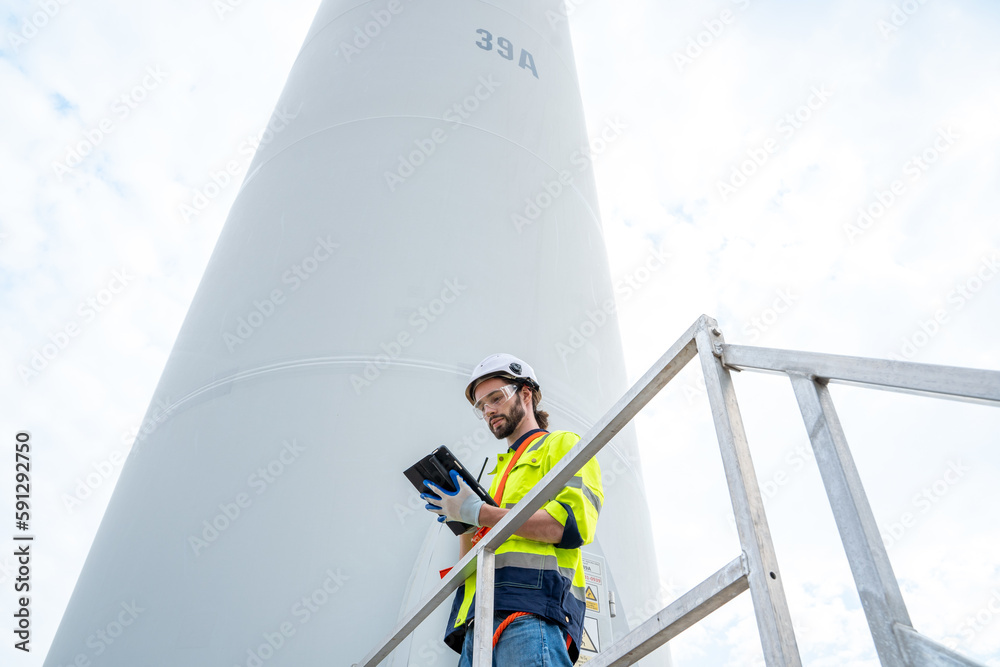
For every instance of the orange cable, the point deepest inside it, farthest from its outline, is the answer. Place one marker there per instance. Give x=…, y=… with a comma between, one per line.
x=505, y=623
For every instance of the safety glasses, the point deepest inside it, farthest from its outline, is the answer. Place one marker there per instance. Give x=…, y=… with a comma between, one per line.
x=494, y=399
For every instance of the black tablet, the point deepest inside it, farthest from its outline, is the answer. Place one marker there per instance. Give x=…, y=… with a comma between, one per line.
x=437, y=467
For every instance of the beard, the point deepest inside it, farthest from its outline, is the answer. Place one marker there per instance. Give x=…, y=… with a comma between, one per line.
x=509, y=422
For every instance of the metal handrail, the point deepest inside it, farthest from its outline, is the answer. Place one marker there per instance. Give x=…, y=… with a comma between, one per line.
x=896, y=642
x=755, y=569
x=962, y=384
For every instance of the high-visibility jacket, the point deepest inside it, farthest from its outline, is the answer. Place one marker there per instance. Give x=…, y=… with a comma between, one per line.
x=537, y=577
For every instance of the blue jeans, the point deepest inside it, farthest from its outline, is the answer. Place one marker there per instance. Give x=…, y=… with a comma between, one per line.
x=529, y=641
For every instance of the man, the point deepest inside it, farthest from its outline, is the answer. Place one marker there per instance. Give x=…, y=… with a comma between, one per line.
x=539, y=580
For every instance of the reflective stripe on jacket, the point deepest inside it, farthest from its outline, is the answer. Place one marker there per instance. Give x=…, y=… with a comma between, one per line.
x=536, y=577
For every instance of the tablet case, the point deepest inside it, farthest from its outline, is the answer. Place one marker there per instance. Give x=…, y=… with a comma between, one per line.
x=437, y=467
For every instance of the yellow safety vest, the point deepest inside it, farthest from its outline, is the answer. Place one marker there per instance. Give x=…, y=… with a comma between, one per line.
x=537, y=577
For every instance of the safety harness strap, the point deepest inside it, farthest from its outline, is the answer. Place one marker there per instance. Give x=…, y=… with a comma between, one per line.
x=498, y=498
x=507, y=621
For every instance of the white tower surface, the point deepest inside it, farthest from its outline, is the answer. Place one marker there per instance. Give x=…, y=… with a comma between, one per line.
x=427, y=200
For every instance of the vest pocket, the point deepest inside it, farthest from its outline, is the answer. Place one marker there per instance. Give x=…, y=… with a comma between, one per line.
x=522, y=479
x=518, y=577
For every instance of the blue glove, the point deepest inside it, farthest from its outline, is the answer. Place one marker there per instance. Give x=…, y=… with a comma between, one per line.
x=462, y=505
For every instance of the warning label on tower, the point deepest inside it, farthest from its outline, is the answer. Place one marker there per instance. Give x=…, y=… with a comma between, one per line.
x=592, y=571
x=591, y=598
x=591, y=640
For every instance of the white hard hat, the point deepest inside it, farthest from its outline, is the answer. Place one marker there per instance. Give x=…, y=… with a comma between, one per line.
x=501, y=365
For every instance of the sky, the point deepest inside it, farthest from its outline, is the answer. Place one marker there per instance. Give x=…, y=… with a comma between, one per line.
x=818, y=176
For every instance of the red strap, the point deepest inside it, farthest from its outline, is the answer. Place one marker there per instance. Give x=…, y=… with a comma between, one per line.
x=498, y=498
x=518, y=614
x=480, y=534
x=505, y=623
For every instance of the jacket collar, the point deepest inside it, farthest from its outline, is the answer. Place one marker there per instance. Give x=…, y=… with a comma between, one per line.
x=513, y=448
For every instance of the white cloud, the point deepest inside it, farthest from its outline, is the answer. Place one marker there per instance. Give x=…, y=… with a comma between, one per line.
x=781, y=232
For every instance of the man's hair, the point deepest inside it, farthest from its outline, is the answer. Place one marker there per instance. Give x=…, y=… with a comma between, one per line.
x=541, y=416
